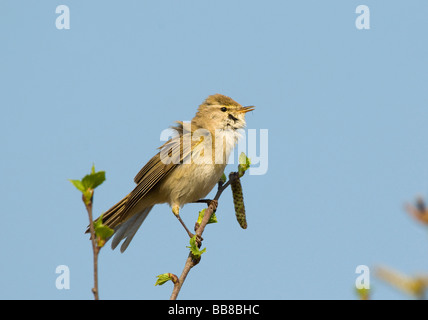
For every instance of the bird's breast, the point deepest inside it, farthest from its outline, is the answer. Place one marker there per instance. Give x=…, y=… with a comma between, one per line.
x=194, y=179
x=191, y=182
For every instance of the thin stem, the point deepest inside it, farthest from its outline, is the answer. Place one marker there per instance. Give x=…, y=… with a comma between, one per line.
x=95, y=248
x=177, y=286
x=191, y=262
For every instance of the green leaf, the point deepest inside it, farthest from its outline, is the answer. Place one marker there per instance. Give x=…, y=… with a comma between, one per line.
x=90, y=181
x=244, y=160
x=223, y=178
x=102, y=232
x=163, y=278
x=244, y=164
x=93, y=180
x=213, y=218
x=78, y=184
x=194, y=248
x=201, y=216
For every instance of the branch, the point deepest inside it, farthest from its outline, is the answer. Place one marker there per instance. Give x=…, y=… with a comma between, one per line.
x=199, y=228
x=418, y=211
x=95, y=247
x=99, y=232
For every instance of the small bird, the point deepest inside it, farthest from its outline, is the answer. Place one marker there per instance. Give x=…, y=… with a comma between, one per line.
x=186, y=168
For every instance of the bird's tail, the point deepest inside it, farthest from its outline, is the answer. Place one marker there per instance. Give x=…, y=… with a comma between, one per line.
x=115, y=215
x=123, y=228
x=128, y=229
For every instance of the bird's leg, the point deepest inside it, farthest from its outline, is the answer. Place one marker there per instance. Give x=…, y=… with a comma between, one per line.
x=176, y=211
x=207, y=201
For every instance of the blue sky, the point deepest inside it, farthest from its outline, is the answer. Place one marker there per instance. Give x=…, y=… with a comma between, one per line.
x=346, y=112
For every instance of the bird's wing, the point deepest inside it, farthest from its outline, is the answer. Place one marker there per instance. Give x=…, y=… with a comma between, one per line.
x=172, y=144
x=173, y=152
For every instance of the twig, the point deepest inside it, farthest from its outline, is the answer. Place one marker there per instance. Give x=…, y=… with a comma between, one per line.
x=191, y=261
x=95, y=247
x=418, y=211
x=177, y=286
x=99, y=233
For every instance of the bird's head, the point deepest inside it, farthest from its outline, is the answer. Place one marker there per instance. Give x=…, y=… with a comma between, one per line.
x=220, y=112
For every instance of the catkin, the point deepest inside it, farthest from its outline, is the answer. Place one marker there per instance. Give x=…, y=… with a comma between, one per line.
x=238, y=201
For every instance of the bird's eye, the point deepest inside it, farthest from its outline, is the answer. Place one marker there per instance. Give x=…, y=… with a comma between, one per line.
x=224, y=109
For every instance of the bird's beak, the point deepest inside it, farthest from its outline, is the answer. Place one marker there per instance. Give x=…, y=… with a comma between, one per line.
x=247, y=109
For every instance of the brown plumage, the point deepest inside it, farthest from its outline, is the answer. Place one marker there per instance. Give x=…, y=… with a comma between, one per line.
x=182, y=180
